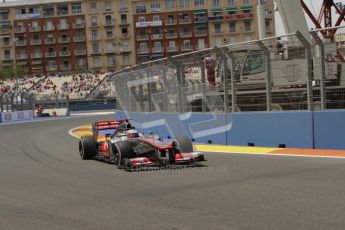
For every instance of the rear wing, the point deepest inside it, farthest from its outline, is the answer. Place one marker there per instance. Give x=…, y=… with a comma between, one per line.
x=104, y=128
x=104, y=125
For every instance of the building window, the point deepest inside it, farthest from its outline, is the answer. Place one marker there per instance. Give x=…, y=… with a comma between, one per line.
x=199, y=2
x=247, y=38
x=124, y=31
x=231, y=2
x=215, y=3
x=96, y=62
x=246, y=2
x=233, y=40
x=247, y=26
x=184, y=3
x=141, y=19
x=109, y=33
x=48, y=10
x=94, y=35
x=156, y=18
x=111, y=60
x=123, y=5
x=232, y=26
x=94, y=21
x=62, y=9
x=170, y=4
x=143, y=46
x=95, y=48
x=93, y=7
x=107, y=6
x=155, y=6
x=76, y=8
x=109, y=46
x=125, y=60
x=217, y=28
x=140, y=7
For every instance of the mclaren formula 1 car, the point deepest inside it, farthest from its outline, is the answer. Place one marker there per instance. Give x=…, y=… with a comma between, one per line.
x=118, y=142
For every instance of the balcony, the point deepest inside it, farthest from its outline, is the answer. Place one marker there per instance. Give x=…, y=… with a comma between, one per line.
x=95, y=38
x=65, y=53
x=36, y=55
x=186, y=34
x=170, y=22
x=94, y=24
x=7, y=57
x=158, y=50
x=185, y=21
x=247, y=29
x=65, y=67
x=64, y=40
x=218, y=32
x=200, y=33
x=124, y=22
x=239, y=16
x=21, y=43
x=96, y=66
x=157, y=36
x=123, y=8
x=200, y=20
x=63, y=27
x=110, y=22
x=201, y=47
x=49, y=41
x=50, y=54
x=172, y=49
x=109, y=51
x=143, y=37
x=218, y=18
x=35, y=29
x=49, y=28
x=143, y=51
x=111, y=64
x=79, y=39
x=141, y=11
x=125, y=35
x=35, y=42
x=20, y=29
x=6, y=44
x=51, y=67
x=96, y=52
x=187, y=47
x=125, y=50
x=171, y=35
x=80, y=25
x=22, y=56
x=80, y=52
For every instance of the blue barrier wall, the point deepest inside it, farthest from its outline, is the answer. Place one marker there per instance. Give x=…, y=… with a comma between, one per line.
x=298, y=129
x=330, y=129
x=92, y=107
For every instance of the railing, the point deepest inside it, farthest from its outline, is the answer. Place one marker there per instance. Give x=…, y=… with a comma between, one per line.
x=50, y=54
x=79, y=52
x=79, y=39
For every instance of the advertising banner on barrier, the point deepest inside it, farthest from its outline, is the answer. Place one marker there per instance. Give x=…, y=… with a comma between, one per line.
x=16, y=116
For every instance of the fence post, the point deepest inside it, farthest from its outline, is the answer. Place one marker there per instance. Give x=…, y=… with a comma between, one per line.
x=233, y=80
x=149, y=88
x=225, y=80
x=321, y=45
x=268, y=75
x=180, y=83
x=307, y=46
x=203, y=85
x=1, y=102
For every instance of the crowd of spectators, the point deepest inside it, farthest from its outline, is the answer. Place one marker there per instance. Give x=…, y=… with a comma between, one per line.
x=76, y=86
x=24, y=84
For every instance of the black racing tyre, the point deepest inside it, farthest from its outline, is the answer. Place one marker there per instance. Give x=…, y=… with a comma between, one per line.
x=183, y=144
x=122, y=150
x=87, y=147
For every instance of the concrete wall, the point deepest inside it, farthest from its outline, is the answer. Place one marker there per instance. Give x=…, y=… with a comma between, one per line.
x=298, y=129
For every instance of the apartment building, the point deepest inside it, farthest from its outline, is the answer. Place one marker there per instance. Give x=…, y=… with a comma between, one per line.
x=109, y=34
x=167, y=27
x=53, y=36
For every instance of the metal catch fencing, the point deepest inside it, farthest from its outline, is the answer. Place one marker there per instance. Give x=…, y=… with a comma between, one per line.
x=289, y=72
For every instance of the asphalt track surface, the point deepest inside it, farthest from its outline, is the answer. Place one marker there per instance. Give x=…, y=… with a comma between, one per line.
x=45, y=185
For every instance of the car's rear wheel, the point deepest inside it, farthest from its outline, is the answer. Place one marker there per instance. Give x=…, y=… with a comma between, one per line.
x=183, y=144
x=87, y=147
